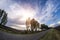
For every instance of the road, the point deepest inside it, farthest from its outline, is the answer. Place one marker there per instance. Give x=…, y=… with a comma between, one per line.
x=8, y=36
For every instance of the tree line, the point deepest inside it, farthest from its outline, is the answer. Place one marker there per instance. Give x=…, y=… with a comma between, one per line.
x=34, y=25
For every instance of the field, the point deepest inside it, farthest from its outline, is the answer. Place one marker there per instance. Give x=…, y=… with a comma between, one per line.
x=14, y=31
x=53, y=34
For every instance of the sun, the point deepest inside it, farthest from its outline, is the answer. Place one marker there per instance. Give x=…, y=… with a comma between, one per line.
x=27, y=13
x=22, y=12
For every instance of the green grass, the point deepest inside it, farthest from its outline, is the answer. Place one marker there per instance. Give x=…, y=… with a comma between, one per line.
x=53, y=34
x=14, y=31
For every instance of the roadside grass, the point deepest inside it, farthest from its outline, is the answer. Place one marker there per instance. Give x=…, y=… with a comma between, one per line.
x=14, y=31
x=51, y=35
x=57, y=34
x=58, y=31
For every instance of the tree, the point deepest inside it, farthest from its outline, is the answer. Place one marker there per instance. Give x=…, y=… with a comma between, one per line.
x=3, y=17
x=33, y=24
x=43, y=26
x=28, y=23
x=36, y=25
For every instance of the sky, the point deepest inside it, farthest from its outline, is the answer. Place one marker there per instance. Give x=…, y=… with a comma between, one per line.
x=44, y=11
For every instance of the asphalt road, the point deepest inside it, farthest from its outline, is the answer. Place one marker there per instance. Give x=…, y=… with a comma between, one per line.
x=8, y=36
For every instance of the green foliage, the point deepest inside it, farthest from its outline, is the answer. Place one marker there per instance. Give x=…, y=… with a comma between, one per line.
x=3, y=17
x=43, y=26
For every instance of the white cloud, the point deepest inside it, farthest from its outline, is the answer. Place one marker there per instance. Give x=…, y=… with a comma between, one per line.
x=18, y=13
x=58, y=22
x=5, y=3
x=18, y=27
x=18, y=10
x=52, y=25
x=47, y=12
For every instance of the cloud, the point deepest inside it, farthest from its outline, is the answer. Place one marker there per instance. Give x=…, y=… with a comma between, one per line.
x=52, y=25
x=18, y=13
x=4, y=4
x=18, y=27
x=46, y=13
x=58, y=22
x=13, y=18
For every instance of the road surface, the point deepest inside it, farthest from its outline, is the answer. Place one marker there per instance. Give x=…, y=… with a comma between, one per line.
x=8, y=36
